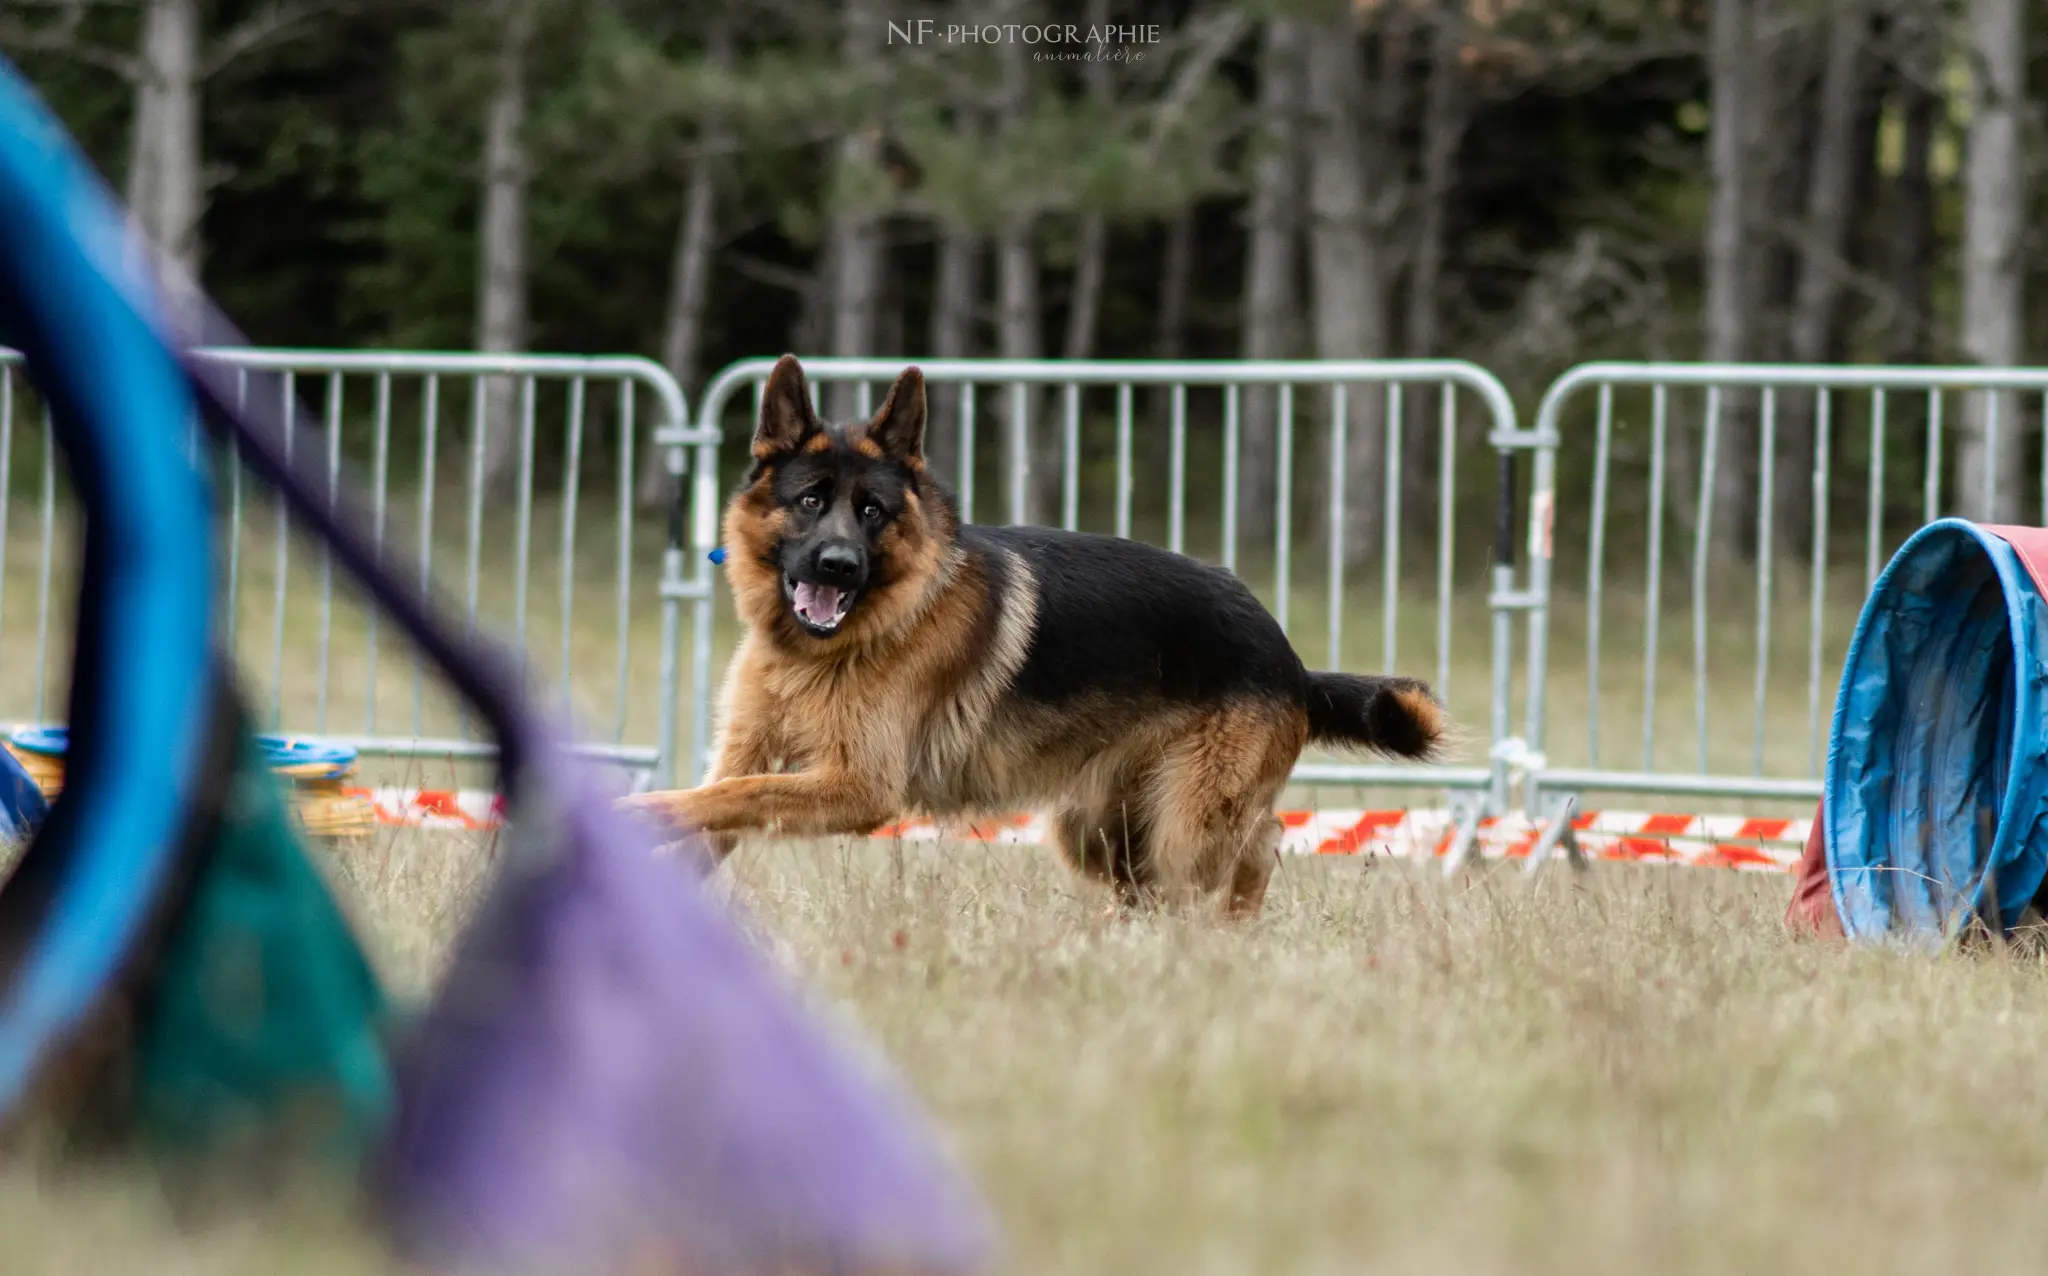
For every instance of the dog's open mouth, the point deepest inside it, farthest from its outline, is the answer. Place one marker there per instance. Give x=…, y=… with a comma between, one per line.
x=818, y=608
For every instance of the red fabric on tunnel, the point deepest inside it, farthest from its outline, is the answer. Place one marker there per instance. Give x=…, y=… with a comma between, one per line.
x=1812, y=910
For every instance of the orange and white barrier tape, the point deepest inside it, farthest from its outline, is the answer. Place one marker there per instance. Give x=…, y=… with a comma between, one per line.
x=1704, y=841
x=436, y=808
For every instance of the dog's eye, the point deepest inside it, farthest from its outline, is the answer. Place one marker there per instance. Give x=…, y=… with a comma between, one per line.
x=811, y=501
x=871, y=511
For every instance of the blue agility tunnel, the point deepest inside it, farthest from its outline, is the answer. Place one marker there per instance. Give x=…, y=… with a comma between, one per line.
x=1936, y=789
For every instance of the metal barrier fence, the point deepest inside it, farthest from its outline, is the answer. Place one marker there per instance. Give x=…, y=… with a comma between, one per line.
x=452, y=412
x=1653, y=456
x=1257, y=466
x=1079, y=465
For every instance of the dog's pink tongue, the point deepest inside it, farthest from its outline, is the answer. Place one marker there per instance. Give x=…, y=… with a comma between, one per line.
x=818, y=604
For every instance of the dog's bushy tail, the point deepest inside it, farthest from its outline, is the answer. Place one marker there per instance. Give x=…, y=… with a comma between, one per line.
x=1388, y=715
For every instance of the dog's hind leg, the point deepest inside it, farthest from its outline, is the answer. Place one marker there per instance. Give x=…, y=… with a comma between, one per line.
x=1107, y=841
x=1254, y=870
x=1213, y=801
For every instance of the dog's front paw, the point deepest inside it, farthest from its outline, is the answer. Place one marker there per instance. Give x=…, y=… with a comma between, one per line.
x=673, y=806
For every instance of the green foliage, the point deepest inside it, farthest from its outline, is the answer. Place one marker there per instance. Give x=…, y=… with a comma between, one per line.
x=344, y=164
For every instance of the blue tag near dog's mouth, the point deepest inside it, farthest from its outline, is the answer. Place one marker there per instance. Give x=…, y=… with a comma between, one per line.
x=717, y=556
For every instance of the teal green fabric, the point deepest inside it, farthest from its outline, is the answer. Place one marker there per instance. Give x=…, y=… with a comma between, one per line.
x=261, y=1022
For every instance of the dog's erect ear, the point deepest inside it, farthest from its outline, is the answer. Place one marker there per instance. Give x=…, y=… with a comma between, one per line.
x=786, y=415
x=898, y=428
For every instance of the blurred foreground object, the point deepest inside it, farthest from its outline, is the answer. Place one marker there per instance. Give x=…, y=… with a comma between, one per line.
x=610, y=1079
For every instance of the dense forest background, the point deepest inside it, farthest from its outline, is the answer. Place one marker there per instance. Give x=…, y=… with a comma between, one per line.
x=1527, y=183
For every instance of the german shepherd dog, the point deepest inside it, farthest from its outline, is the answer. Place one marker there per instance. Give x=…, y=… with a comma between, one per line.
x=897, y=661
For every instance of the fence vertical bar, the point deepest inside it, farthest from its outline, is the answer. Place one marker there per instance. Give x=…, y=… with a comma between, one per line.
x=1766, y=521
x=235, y=521
x=522, y=535
x=1596, y=567
x=1653, y=587
x=289, y=391
x=48, y=551
x=1501, y=658
x=1020, y=452
x=572, y=482
x=331, y=422
x=1709, y=445
x=1987, y=496
x=1390, y=537
x=1446, y=496
x=628, y=454
x=1340, y=428
x=1933, y=496
x=1283, y=504
x=704, y=534
x=967, y=452
x=379, y=514
x=1876, y=531
x=430, y=436
x=1230, y=445
x=1177, y=470
x=1070, y=460
x=1123, y=460
x=1822, y=450
x=479, y=429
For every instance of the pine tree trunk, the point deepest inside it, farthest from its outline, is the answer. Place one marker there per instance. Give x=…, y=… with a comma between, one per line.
x=682, y=332
x=1018, y=320
x=1785, y=112
x=1910, y=230
x=1994, y=212
x=1350, y=303
x=856, y=288
x=1824, y=265
x=166, y=179
x=1017, y=335
x=1092, y=238
x=689, y=284
x=1176, y=282
x=1086, y=303
x=502, y=264
x=857, y=248
x=1730, y=258
x=1443, y=128
x=689, y=279
x=813, y=328
x=1272, y=294
x=956, y=297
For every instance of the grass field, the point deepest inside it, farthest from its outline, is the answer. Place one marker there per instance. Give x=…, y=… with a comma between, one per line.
x=1388, y=1073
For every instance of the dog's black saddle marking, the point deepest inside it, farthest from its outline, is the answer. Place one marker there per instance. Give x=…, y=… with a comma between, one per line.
x=1122, y=618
